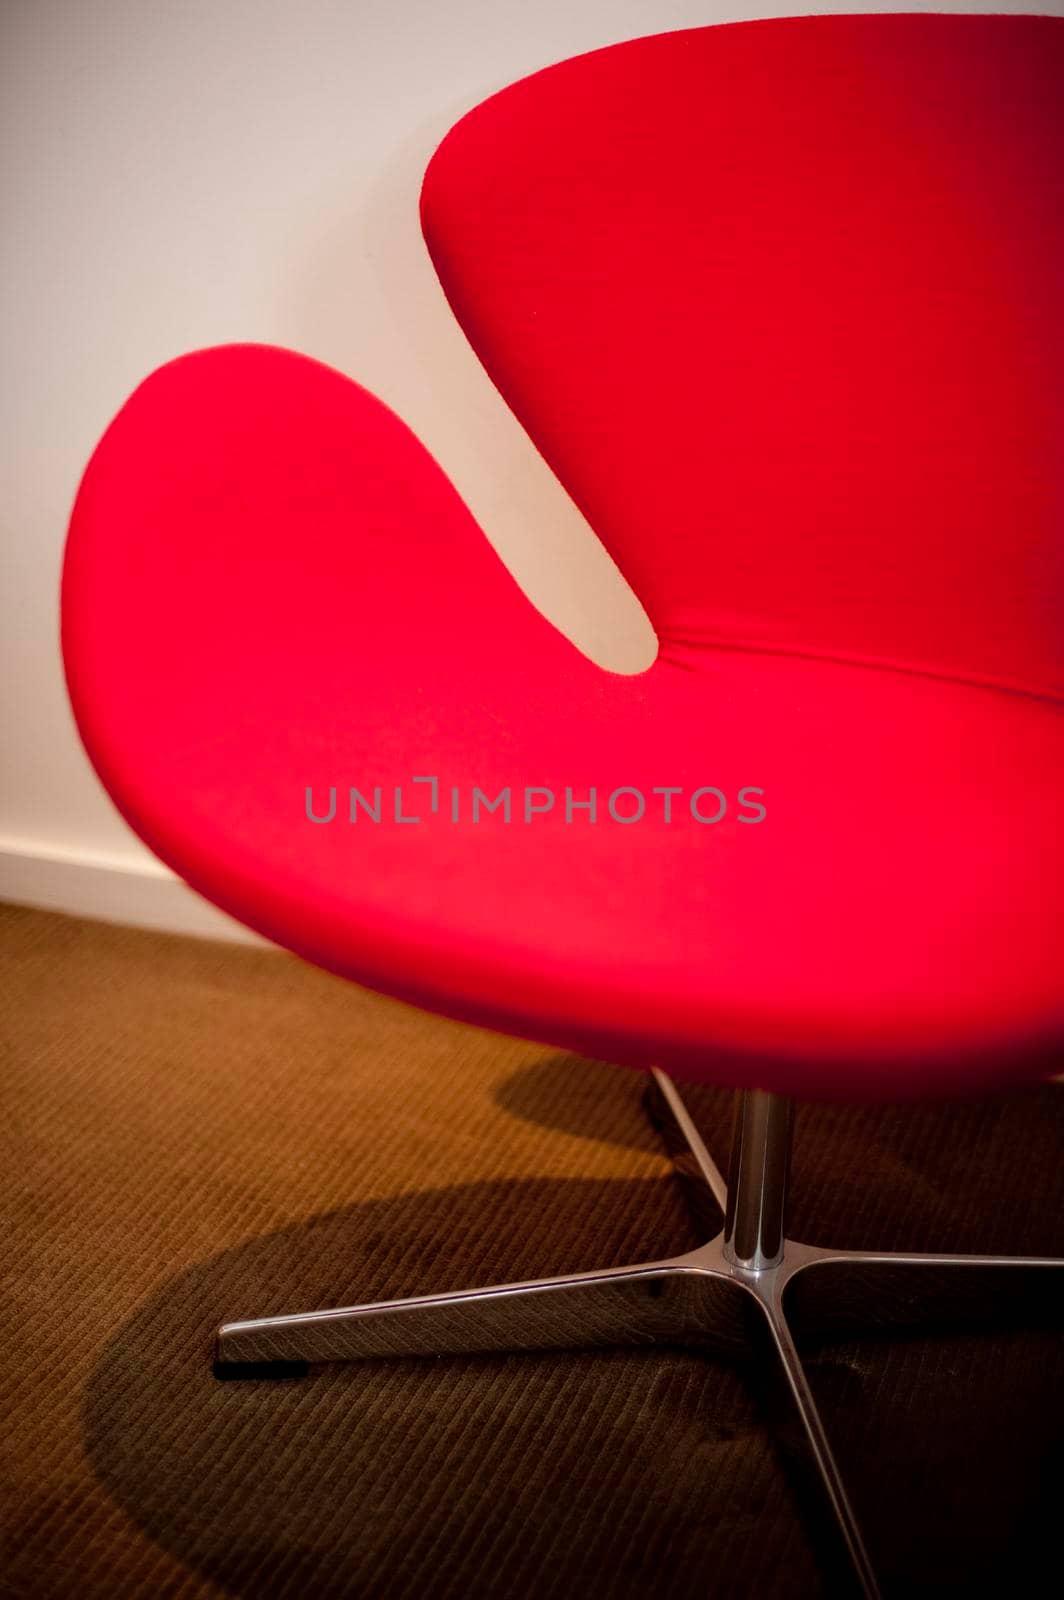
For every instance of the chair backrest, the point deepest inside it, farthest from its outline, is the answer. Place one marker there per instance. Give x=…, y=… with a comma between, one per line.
x=781, y=304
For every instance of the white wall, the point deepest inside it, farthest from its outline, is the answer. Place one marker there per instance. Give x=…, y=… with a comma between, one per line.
x=179, y=173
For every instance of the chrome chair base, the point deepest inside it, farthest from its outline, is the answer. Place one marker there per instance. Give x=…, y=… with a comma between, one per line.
x=725, y=1298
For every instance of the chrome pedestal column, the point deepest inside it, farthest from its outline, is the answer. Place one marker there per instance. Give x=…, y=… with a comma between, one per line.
x=727, y=1297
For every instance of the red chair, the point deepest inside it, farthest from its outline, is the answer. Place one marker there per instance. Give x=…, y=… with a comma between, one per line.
x=780, y=303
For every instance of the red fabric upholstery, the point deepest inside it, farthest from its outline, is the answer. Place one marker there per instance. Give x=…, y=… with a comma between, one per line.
x=780, y=302
x=775, y=301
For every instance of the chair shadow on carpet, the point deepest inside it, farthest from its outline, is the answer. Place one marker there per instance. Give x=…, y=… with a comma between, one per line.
x=607, y=1473
x=984, y=1173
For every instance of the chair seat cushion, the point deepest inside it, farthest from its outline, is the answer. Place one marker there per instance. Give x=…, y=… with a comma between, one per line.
x=271, y=588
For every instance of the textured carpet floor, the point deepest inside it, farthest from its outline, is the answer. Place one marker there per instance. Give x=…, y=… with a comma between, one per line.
x=195, y=1131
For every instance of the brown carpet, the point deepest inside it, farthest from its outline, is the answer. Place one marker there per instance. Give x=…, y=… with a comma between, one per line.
x=195, y=1131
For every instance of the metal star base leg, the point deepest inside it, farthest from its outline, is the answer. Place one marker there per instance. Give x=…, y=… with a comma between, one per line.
x=727, y=1297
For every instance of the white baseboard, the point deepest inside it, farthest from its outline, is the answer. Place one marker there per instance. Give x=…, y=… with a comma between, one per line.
x=110, y=887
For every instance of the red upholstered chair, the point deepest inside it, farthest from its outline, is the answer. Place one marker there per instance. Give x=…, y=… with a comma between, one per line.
x=780, y=303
